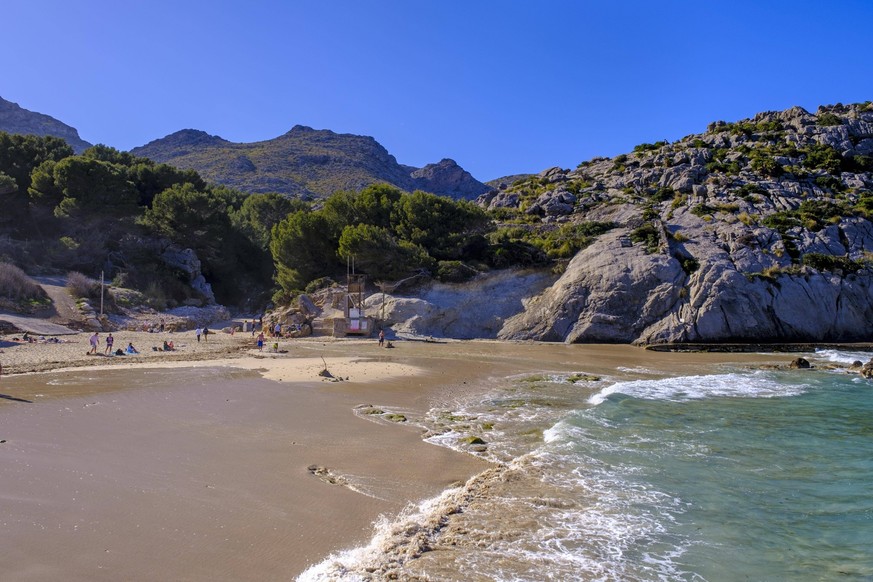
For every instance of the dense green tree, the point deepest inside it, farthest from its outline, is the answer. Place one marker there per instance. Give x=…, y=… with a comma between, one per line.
x=85, y=185
x=259, y=213
x=372, y=205
x=376, y=252
x=375, y=204
x=191, y=218
x=19, y=156
x=301, y=251
x=151, y=179
x=104, y=153
x=437, y=223
x=8, y=185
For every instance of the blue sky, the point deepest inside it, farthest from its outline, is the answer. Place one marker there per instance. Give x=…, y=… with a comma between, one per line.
x=502, y=87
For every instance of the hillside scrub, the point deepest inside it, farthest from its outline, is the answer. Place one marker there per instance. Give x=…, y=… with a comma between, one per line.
x=18, y=291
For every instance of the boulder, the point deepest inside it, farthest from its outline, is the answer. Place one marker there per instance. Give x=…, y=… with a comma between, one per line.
x=867, y=370
x=799, y=363
x=307, y=306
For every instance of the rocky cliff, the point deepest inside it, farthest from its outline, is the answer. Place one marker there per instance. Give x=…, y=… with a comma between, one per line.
x=15, y=119
x=757, y=230
x=306, y=163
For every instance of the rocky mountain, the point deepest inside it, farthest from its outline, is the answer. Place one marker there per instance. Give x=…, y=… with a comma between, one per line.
x=755, y=231
x=306, y=163
x=506, y=181
x=15, y=119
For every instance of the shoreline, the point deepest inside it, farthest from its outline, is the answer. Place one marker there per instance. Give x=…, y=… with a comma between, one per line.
x=284, y=444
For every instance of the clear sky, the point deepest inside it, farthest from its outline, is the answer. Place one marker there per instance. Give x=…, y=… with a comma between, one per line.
x=502, y=87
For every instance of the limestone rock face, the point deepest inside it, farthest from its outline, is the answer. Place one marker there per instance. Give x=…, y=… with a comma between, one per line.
x=476, y=309
x=753, y=231
x=186, y=260
x=608, y=294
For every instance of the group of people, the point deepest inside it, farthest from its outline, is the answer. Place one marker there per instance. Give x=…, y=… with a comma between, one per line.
x=110, y=343
x=202, y=331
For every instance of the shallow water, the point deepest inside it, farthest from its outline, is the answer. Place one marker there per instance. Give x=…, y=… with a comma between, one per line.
x=737, y=475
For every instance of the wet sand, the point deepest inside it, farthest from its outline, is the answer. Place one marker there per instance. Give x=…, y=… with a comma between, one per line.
x=210, y=471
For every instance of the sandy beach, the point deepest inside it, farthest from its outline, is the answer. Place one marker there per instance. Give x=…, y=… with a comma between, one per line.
x=220, y=462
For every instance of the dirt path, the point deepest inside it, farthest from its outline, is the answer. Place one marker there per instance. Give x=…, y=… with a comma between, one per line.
x=65, y=311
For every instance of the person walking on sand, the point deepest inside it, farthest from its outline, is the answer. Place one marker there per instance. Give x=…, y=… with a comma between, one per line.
x=261, y=342
x=198, y=332
x=206, y=334
x=95, y=341
x=109, y=341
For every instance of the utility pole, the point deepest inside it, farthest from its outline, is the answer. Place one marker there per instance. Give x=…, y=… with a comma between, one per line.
x=101, y=293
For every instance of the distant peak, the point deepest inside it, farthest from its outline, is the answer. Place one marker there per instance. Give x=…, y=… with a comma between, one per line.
x=193, y=137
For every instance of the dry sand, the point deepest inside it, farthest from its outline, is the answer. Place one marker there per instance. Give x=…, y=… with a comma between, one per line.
x=224, y=463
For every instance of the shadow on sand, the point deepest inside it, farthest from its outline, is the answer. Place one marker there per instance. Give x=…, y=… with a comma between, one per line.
x=15, y=399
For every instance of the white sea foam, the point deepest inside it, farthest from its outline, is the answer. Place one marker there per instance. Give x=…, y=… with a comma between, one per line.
x=740, y=385
x=843, y=357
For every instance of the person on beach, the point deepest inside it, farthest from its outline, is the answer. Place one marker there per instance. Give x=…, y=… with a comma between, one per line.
x=198, y=332
x=261, y=341
x=131, y=349
x=168, y=346
x=381, y=338
x=95, y=341
x=161, y=326
x=109, y=341
x=206, y=334
x=277, y=331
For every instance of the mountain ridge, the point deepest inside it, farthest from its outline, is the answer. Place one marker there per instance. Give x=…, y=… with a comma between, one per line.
x=303, y=162
x=306, y=163
x=16, y=119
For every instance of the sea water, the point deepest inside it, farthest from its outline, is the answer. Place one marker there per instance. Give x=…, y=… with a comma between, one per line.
x=736, y=475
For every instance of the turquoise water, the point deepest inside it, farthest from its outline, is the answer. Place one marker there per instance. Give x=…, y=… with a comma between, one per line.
x=740, y=475
x=748, y=476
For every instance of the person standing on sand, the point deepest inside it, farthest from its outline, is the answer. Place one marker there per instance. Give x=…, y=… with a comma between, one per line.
x=198, y=332
x=261, y=342
x=95, y=340
x=161, y=327
x=381, y=337
x=109, y=341
x=206, y=334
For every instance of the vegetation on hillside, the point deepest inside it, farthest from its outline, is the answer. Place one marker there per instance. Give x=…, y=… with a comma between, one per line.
x=388, y=234
x=778, y=180
x=111, y=211
x=131, y=218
